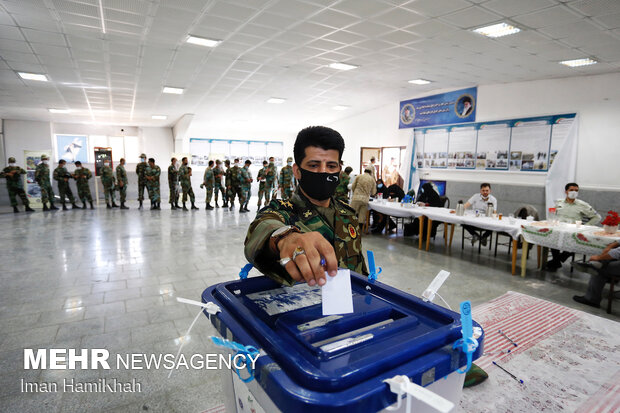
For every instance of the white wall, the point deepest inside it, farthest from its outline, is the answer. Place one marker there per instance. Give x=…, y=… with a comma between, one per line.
x=157, y=143
x=595, y=98
x=21, y=135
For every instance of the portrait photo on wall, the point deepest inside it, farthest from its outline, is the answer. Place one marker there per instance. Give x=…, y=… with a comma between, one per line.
x=464, y=106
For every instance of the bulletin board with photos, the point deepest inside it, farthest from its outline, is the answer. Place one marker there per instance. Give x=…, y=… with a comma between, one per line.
x=204, y=150
x=517, y=145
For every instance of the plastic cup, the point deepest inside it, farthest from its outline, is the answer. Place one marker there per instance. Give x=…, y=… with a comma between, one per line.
x=500, y=215
x=578, y=224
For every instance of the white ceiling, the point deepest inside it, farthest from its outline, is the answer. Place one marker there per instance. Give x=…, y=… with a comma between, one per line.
x=280, y=48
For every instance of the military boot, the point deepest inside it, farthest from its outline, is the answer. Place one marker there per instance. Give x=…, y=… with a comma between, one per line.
x=153, y=205
x=172, y=206
x=108, y=206
x=123, y=206
x=84, y=206
x=64, y=207
x=74, y=206
x=45, y=208
x=91, y=205
x=241, y=209
x=209, y=206
x=157, y=205
x=225, y=204
x=114, y=205
x=53, y=207
x=184, y=207
x=28, y=209
x=140, y=207
x=15, y=209
x=232, y=206
x=194, y=206
x=216, y=204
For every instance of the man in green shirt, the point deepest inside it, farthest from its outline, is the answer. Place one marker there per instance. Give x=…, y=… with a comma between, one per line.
x=289, y=238
x=571, y=209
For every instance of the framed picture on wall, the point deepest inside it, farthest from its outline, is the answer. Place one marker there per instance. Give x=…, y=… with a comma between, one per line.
x=72, y=148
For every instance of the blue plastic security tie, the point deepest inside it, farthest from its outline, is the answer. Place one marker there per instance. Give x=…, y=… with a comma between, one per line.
x=243, y=274
x=468, y=344
x=246, y=351
x=372, y=277
x=407, y=199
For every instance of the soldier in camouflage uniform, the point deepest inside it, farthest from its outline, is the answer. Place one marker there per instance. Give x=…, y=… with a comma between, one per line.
x=227, y=181
x=140, y=171
x=173, y=184
x=342, y=191
x=286, y=179
x=61, y=176
x=15, y=184
x=108, y=181
x=208, y=181
x=271, y=176
x=42, y=177
x=246, y=185
x=218, y=173
x=121, y=182
x=151, y=175
x=260, y=177
x=233, y=186
x=185, y=177
x=288, y=238
x=81, y=176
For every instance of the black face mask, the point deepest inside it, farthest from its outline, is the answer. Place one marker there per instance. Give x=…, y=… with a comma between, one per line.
x=319, y=185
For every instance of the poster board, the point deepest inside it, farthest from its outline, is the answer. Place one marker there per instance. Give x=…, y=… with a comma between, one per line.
x=102, y=154
x=203, y=150
x=72, y=148
x=32, y=189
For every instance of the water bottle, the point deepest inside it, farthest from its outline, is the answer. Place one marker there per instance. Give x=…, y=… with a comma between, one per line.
x=460, y=209
x=490, y=210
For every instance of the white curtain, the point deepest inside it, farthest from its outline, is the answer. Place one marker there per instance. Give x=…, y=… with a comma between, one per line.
x=409, y=170
x=563, y=169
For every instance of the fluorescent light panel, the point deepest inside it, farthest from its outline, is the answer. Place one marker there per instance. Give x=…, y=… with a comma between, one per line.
x=52, y=110
x=101, y=16
x=420, y=81
x=173, y=90
x=342, y=66
x=340, y=107
x=497, y=30
x=202, y=41
x=159, y=117
x=276, y=100
x=33, y=76
x=579, y=62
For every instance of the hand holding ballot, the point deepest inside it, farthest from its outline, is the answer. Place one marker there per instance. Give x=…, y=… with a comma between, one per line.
x=301, y=254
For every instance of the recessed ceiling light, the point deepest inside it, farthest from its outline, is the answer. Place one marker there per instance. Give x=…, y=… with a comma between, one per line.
x=33, y=76
x=202, y=41
x=173, y=90
x=497, y=30
x=276, y=100
x=59, y=110
x=579, y=62
x=342, y=66
x=340, y=107
x=159, y=117
x=420, y=81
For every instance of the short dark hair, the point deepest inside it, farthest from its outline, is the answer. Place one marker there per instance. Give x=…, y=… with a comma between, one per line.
x=348, y=170
x=319, y=136
x=211, y=163
x=227, y=161
x=485, y=185
x=568, y=185
x=248, y=162
x=271, y=157
x=265, y=162
x=184, y=158
x=173, y=159
x=236, y=160
x=80, y=163
x=152, y=160
x=122, y=159
x=62, y=161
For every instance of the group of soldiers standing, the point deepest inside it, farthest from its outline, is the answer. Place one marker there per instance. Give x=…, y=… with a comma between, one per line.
x=237, y=183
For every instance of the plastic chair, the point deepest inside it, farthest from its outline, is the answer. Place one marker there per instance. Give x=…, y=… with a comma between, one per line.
x=522, y=212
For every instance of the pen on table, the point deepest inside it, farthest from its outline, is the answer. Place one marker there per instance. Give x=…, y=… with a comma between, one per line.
x=497, y=352
x=507, y=338
x=511, y=375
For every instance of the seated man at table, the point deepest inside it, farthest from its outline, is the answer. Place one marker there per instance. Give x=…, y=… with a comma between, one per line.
x=601, y=268
x=289, y=239
x=480, y=202
x=571, y=209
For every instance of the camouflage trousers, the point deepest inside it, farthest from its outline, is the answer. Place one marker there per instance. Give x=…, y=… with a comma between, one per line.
x=187, y=190
x=247, y=194
x=174, y=194
x=153, y=191
x=264, y=192
x=141, y=185
x=13, y=191
x=84, y=193
x=108, y=191
x=219, y=188
x=47, y=193
x=64, y=190
x=287, y=193
x=238, y=192
x=122, y=191
x=209, y=194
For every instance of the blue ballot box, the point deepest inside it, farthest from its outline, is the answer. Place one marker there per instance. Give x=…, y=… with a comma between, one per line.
x=314, y=363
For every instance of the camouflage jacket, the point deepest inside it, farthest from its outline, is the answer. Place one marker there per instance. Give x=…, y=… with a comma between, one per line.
x=141, y=170
x=261, y=174
x=61, y=172
x=184, y=177
x=107, y=176
x=155, y=172
x=217, y=174
x=271, y=174
x=227, y=179
x=15, y=180
x=209, y=178
x=42, y=174
x=245, y=178
x=82, y=175
x=300, y=212
x=121, y=175
x=342, y=190
x=286, y=177
x=173, y=175
x=233, y=177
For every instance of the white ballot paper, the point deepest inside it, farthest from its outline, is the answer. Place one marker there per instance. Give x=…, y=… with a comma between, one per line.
x=337, y=295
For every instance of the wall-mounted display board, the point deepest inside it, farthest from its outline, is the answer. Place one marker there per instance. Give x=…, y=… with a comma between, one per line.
x=101, y=155
x=204, y=150
x=458, y=106
x=528, y=144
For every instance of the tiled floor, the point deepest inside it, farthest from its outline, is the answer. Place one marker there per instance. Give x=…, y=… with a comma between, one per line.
x=108, y=279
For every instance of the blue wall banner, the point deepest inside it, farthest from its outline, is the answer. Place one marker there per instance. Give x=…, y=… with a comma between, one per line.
x=458, y=106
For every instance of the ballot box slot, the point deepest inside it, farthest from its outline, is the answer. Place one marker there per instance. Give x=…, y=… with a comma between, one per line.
x=351, y=334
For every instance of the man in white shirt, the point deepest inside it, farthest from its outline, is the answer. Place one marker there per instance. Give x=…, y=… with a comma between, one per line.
x=480, y=202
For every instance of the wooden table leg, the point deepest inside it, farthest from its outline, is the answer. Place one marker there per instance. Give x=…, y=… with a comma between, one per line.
x=514, y=256
x=524, y=249
x=445, y=235
x=543, y=258
x=429, y=226
x=538, y=256
x=387, y=224
x=451, y=233
x=421, y=230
